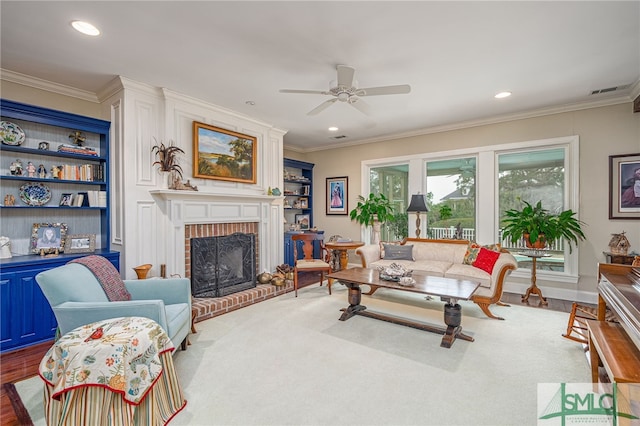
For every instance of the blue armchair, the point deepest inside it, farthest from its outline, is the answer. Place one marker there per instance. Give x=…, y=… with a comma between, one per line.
x=77, y=298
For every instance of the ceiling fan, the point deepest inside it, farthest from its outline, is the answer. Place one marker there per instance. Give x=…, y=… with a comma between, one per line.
x=346, y=91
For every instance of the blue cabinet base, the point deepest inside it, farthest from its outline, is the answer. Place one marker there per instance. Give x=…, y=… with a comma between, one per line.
x=27, y=317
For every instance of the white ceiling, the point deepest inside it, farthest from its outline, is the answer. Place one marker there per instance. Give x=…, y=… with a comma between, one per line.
x=455, y=55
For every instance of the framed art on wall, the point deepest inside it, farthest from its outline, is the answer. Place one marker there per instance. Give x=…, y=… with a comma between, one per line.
x=337, y=195
x=223, y=154
x=48, y=237
x=624, y=186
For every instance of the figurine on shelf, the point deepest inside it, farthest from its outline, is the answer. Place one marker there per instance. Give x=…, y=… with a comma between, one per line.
x=77, y=137
x=9, y=200
x=42, y=171
x=31, y=169
x=16, y=168
x=55, y=172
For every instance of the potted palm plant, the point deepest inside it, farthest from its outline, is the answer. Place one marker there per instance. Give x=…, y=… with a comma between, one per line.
x=372, y=211
x=540, y=227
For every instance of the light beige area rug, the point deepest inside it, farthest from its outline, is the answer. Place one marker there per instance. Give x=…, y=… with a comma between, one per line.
x=290, y=361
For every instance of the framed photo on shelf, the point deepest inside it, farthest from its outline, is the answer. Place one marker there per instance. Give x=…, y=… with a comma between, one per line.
x=304, y=203
x=624, y=186
x=80, y=243
x=302, y=220
x=65, y=199
x=337, y=195
x=223, y=154
x=48, y=237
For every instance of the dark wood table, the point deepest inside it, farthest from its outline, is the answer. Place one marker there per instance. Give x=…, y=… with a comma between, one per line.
x=449, y=290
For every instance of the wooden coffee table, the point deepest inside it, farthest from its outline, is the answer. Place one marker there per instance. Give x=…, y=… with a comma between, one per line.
x=449, y=290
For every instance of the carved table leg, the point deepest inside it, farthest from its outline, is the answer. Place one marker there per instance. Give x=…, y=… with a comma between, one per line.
x=453, y=318
x=355, y=296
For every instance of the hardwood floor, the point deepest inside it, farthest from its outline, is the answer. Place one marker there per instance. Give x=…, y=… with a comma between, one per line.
x=23, y=363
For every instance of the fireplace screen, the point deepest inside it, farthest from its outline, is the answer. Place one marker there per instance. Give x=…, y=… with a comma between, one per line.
x=222, y=265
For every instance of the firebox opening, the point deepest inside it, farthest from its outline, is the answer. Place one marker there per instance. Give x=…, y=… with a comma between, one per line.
x=222, y=265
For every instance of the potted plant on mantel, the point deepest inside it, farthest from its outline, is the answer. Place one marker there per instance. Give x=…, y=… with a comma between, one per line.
x=539, y=227
x=373, y=211
x=166, y=162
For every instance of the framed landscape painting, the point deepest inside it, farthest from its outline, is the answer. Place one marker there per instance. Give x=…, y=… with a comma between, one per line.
x=337, y=193
x=223, y=154
x=624, y=186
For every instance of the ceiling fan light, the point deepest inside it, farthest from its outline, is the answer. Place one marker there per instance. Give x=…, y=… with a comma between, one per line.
x=343, y=96
x=85, y=28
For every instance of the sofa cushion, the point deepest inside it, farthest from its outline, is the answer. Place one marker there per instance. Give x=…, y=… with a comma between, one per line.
x=474, y=248
x=427, y=267
x=460, y=271
x=398, y=252
x=443, y=252
x=486, y=259
x=383, y=243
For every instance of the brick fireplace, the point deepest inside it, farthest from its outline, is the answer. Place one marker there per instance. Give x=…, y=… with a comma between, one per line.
x=192, y=214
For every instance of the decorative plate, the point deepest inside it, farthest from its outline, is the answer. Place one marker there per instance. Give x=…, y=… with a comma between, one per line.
x=11, y=134
x=35, y=194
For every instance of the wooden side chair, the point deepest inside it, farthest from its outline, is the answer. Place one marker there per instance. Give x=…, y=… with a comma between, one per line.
x=308, y=263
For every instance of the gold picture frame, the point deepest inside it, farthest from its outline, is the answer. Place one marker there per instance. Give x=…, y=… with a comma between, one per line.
x=223, y=154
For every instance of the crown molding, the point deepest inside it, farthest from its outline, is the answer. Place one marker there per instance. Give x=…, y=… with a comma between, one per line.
x=614, y=100
x=37, y=83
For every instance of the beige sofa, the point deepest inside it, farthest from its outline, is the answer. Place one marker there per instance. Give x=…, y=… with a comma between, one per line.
x=445, y=258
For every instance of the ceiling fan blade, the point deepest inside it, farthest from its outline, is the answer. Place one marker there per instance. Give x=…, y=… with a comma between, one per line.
x=384, y=90
x=360, y=105
x=307, y=92
x=322, y=107
x=345, y=76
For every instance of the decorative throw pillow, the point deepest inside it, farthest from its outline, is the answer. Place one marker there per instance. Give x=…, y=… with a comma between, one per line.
x=397, y=252
x=473, y=249
x=382, y=244
x=107, y=275
x=486, y=259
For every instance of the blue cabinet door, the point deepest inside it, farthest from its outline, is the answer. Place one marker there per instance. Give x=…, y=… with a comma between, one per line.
x=26, y=316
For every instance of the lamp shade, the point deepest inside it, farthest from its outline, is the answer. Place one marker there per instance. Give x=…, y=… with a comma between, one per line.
x=418, y=204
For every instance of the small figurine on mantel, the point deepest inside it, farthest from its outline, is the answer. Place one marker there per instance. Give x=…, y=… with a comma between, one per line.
x=619, y=244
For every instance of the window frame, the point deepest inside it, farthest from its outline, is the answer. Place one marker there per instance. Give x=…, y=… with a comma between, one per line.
x=487, y=212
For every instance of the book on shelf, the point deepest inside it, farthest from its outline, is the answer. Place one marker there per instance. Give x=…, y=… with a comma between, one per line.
x=96, y=198
x=80, y=150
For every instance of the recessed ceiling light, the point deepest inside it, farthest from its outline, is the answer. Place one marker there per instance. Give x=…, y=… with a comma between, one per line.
x=333, y=129
x=85, y=28
x=251, y=103
x=502, y=95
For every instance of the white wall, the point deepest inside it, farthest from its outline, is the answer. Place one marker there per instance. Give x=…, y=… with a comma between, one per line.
x=602, y=131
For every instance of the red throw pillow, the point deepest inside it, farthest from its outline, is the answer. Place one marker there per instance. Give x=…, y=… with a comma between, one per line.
x=486, y=259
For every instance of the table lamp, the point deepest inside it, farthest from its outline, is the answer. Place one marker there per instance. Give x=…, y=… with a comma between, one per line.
x=418, y=204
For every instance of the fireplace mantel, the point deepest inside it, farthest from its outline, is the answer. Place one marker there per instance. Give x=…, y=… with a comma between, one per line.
x=183, y=208
x=172, y=194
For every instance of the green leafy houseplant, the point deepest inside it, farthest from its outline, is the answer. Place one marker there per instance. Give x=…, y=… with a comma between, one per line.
x=539, y=226
x=376, y=207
